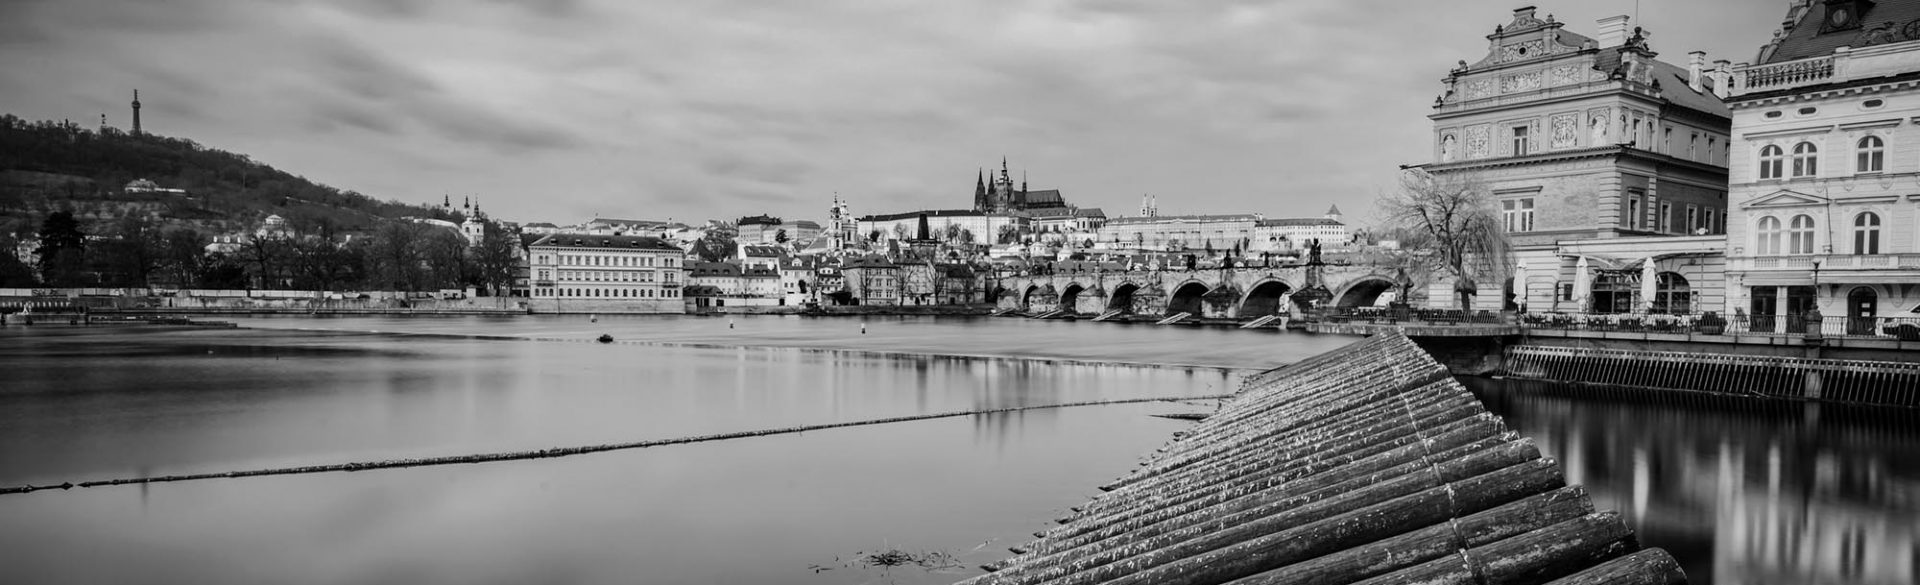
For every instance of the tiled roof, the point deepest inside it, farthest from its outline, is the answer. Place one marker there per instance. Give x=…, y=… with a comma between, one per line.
x=1089, y=212
x=616, y=242
x=1285, y=221
x=1804, y=39
x=1184, y=218
x=1044, y=196
x=928, y=213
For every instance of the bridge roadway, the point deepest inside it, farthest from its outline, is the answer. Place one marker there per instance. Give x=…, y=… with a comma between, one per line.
x=1235, y=293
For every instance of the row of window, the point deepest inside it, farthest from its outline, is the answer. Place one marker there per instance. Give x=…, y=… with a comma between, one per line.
x=1798, y=237
x=1870, y=156
x=1614, y=292
x=617, y=260
x=1517, y=216
x=607, y=293
x=611, y=275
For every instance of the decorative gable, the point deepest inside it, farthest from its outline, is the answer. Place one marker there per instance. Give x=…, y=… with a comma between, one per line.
x=1785, y=198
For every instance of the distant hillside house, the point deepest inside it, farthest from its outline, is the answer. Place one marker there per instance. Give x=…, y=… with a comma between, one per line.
x=1272, y=235
x=146, y=186
x=1181, y=232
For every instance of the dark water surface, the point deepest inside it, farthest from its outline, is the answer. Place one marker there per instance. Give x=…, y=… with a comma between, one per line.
x=95, y=403
x=1741, y=491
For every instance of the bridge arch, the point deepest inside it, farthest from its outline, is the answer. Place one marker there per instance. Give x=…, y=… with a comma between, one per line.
x=1187, y=298
x=1026, y=298
x=1363, y=292
x=1264, y=299
x=1122, y=299
x=1070, y=297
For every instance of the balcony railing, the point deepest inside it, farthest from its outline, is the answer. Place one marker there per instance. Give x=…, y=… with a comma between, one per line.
x=1811, y=71
x=1889, y=328
x=1828, y=262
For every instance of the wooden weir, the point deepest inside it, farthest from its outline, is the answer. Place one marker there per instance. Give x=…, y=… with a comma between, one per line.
x=1826, y=380
x=1368, y=464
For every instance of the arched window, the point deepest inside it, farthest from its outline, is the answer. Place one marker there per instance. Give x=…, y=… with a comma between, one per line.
x=1672, y=294
x=1800, y=235
x=1806, y=160
x=1768, y=243
x=1871, y=156
x=1866, y=233
x=1770, y=162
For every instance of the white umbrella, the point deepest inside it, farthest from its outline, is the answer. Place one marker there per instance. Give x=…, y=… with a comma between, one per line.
x=1520, y=285
x=1582, y=285
x=1647, y=288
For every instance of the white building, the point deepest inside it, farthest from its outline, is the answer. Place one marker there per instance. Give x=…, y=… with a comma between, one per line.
x=1181, y=232
x=580, y=273
x=1826, y=156
x=1272, y=235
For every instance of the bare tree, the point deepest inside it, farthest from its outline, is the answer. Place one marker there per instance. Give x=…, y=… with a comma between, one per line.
x=1454, y=220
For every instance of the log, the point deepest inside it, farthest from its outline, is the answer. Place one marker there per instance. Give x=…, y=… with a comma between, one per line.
x=1378, y=486
x=1648, y=567
x=1534, y=557
x=1196, y=492
x=1433, y=542
x=1253, y=552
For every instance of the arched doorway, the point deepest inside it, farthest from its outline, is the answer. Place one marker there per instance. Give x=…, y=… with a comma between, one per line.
x=1863, y=308
x=1070, y=298
x=1672, y=294
x=1186, y=299
x=1122, y=298
x=1364, y=293
x=1264, y=299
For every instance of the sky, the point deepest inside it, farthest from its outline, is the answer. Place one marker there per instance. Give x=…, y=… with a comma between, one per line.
x=565, y=110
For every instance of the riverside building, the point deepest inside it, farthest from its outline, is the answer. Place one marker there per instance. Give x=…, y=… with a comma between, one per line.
x=1581, y=140
x=1826, y=166
x=583, y=273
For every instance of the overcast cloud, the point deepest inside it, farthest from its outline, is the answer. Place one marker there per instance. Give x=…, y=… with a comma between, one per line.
x=560, y=110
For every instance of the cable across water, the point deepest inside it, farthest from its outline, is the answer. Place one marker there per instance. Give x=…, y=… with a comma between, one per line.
x=580, y=450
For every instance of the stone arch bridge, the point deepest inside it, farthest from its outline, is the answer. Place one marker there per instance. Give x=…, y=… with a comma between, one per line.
x=1237, y=293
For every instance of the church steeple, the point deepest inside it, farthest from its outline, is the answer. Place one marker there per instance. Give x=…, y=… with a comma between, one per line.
x=980, y=202
x=136, y=112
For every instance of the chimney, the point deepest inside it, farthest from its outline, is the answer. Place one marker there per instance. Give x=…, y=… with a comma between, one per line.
x=1613, y=31
x=1696, y=61
x=1723, y=81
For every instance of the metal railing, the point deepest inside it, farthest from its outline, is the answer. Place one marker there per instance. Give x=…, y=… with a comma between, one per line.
x=1395, y=315
x=1894, y=328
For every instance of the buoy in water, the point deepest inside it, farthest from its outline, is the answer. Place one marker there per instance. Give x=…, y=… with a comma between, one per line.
x=593, y=318
x=863, y=328
x=604, y=338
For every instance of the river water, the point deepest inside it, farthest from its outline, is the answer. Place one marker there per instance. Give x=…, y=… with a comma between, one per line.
x=1756, y=495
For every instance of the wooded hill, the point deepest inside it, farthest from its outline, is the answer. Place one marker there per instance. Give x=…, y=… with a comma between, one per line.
x=49, y=166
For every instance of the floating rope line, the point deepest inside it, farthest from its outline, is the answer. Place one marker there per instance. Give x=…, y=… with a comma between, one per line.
x=569, y=451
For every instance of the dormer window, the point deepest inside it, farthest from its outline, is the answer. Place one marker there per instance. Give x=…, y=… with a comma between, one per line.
x=1844, y=15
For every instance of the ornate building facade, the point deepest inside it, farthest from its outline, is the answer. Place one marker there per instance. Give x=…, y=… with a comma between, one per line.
x=1581, y=138
x=1826, y=167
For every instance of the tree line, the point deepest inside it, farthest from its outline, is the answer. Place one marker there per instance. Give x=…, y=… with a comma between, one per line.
x=135, y=253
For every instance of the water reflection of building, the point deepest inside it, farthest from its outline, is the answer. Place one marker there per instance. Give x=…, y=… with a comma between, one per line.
x=1763, y=496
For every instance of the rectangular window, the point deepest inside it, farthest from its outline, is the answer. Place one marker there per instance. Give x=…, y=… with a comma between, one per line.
x=1666, y=218
x=1707, y=222
x=1693, y=145
x=1633, y=212
x=1710, y=144
x=1693, y=219
x=1518, y=214
x=1520, y=140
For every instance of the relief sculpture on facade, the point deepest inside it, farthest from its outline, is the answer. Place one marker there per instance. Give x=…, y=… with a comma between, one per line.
x=1597, y=125
x=1565, y=75
x=1520, y=82
x=1448, y=146
x=1477, y=141
x=1565, y=131
x=1479, y=88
